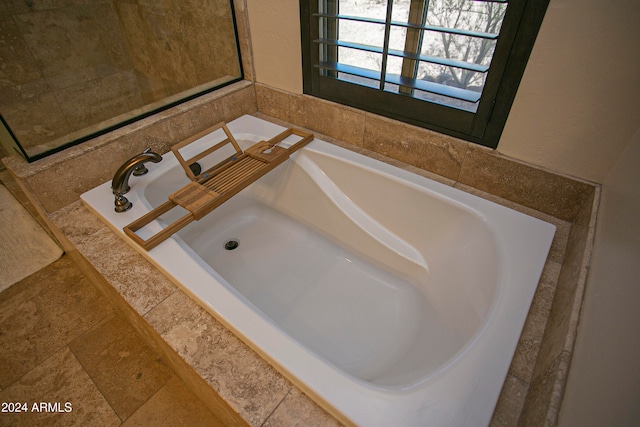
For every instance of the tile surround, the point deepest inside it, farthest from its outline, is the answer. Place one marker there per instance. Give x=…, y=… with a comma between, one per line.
x=536, y=378
x=95, y=361
x=172, y=406
x=69, y=302
x=70, y=384
x=248, y=384
x=61, y=178
x=125, y=370
x=59, y=57
x=466, y=163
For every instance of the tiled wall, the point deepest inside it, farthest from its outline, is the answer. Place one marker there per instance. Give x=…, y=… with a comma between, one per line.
x=60, y=179
x=452, y=158
x=58, y=60
x=175, y=46
x=70, y=65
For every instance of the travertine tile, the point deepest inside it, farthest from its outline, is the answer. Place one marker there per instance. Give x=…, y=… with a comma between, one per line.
x=43, y=313
x=18, y=64
x=94, y=45
x=243, y=379
x=545, y=394
x=560, y=333
x=334, y=120
x=559, y=243
x=30, y=103
x=63, y=183
x=510, y=403
x=125, y=370
x=141, y=285
x=25, y=247
x=76, y=222
x=60, y=379
x=437, y=153
x=524, y=359
x=413, y=169
x=550, y=193
x=239, y=103
x=318, y=135
x=296, y=410
x=273, y=102
x=585, y=216
x=86, y=104
x=180, y=46
x=173, y=405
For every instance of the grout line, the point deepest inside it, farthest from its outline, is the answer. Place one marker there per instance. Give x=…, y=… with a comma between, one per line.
x=94, y=383
x=277, y=406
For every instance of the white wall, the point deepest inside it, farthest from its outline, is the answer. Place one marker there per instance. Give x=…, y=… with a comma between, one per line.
x=276, y=23
x=578, y=102
x=604, y=379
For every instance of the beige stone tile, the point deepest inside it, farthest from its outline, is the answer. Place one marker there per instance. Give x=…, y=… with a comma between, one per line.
x=63, y=183
x=173, y=405
x=125, y=370
x=243, y=379
x=433, y=152
x=18, y=64
x=524, y=359
x=317, y=135
x=239, y=103
x=140, y=283
x=60, y=379
x=334, y=120
x=510, y=403
x=274, y=102
x=181, y=47
x=193, y=122
x=30, y=103
x=413, y=169
x=59, y=180
x=43, y=313
x=586, y=215
x=96, y=46
x=562, y=322
x=556, y=195
x=559, y=243
x=297, y=410
x=92, y=102
x=76, y=222
x=545, y=394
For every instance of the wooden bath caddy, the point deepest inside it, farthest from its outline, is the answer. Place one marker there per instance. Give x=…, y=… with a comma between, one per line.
x=211, y=188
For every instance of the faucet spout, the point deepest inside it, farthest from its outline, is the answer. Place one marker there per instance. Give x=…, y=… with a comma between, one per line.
x=120, y=182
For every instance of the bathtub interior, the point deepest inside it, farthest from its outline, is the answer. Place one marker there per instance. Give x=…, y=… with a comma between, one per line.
x=385, y=281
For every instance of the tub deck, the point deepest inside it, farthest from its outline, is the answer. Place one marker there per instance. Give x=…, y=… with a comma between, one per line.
x=240, y=320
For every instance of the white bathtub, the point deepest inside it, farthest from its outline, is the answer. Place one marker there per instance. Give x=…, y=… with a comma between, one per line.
x=393, y=299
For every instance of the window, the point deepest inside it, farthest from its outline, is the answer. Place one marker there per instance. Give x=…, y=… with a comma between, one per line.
x=449, y=65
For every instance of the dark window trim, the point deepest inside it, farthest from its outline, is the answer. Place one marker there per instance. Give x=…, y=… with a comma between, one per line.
x=520, y=28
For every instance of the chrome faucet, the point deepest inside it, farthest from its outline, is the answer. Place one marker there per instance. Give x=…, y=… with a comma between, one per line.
x=120, y=183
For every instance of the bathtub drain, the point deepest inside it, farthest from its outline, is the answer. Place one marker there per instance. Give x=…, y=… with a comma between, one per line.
x=231, y=244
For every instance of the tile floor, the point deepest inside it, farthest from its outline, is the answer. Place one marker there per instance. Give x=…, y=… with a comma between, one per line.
x=62, y=341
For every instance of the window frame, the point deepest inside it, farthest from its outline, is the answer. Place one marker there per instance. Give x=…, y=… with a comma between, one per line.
x=520, y=27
